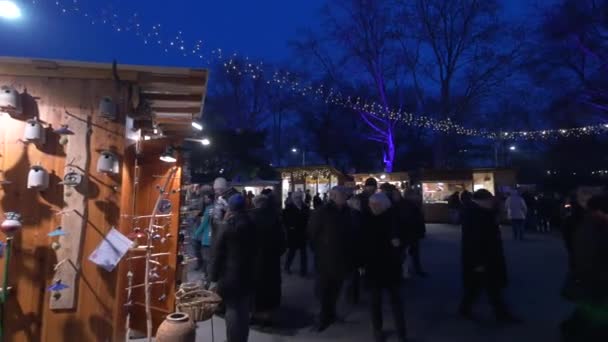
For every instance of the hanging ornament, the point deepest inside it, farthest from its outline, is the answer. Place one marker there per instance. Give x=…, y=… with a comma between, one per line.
x=10, y=100
x=107, y=163
x=107, y=108
x=71, y=179
x=11, y=224
x=38, y=178
x=34, y=132
x=57, y=232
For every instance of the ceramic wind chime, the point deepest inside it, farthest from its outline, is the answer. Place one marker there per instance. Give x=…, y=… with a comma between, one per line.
x=34, y=132
x=108, y=163
x=155, y=270
x=10, y=226
x=63, y=131
x=38, y=178
x=10, y=100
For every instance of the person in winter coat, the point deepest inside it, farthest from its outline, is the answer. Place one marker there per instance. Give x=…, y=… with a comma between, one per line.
x=270, y=243
x=416, y=231
x=382, y=264
x=516, y=213
x=317, y=202
x=589, y=321
x=483, y=260
x=295, y=218
x=232, y=271
x=202, y=235
x=330, y=231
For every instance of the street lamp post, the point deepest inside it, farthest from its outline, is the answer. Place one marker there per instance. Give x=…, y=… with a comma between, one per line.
x=295, y=150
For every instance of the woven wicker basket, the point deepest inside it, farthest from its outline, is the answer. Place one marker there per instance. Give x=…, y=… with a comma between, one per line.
x=197, y=302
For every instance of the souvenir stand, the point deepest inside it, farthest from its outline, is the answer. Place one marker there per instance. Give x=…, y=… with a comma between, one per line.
x=318, y=179
x=80, y=148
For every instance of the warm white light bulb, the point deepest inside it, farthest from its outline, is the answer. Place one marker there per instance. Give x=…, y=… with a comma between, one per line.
x=206, y=142
x=197, y=125
x=9, y=10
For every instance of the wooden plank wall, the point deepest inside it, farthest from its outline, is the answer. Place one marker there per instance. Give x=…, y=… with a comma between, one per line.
x=59, y=101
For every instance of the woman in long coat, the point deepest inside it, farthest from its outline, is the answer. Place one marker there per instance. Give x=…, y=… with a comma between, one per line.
x=270, y=245
x=483, y=260
x=384, y=241
x=295, y=218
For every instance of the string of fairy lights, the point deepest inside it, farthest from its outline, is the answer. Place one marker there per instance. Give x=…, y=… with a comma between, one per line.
x=235, y=64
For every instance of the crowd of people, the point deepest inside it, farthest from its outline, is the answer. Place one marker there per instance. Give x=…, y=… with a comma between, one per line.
x=362, y=240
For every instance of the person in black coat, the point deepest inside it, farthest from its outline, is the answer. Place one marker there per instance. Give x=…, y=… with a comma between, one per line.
x=330, y=231
x=483, y=260
x=270, y=243
x=589, y=321
x=382, y=264
x=295, y=218
x=232, y=268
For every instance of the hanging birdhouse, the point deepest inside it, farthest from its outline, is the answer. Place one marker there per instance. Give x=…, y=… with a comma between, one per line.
x=10, y=100
x=71, y=179
x=11, y=224
x=107, y=163
x=38, y=178
x=107, y=108
x=34, y=132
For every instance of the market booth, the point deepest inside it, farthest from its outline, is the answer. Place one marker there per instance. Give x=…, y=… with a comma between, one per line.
x=438, y=185
x=317, y=179
x=89, y=164
x=399, y=179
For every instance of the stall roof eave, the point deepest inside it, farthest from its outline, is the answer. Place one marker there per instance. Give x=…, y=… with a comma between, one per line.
x=172, y=96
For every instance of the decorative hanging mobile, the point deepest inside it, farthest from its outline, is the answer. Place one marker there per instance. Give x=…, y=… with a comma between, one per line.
x=10, y=226
x=155, y=271
x=64, y=132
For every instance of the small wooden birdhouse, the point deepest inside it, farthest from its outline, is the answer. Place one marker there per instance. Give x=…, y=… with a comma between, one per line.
x=38, y=178
x=34, y=132
x=107, y=163
x=10, y=100
x=107, y=108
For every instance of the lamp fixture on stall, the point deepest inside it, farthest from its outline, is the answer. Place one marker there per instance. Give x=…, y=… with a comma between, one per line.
x=169, y=155
x=512, y=148
x=197, y=125
x=205, y=142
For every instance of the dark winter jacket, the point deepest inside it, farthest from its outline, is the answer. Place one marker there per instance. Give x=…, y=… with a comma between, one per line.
x=482, y=246
x=590, y=259
x=331, y=231
x=296, y=221
x=234, y=256
x=270, y=243
x=382, y=260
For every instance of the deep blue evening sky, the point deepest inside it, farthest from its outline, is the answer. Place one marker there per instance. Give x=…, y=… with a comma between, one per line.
x=258, y=28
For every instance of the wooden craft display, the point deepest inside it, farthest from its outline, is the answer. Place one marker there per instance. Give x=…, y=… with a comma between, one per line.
x=73, y=221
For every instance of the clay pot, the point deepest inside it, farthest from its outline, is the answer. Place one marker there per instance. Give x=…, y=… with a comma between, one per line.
x=177, y=327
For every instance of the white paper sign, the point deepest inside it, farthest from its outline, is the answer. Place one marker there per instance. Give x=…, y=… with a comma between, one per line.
x=109, y=252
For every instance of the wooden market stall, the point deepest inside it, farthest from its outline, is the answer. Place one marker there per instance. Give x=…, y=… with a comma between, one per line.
x=95, y=173
x=437, y=185
x=318, y=179
x=399, y=179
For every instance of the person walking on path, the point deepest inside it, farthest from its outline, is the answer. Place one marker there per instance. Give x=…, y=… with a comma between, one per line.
x=330, y=232
x=483, y=260
x=202, y=235
x=589, y=321
x=516, y=213
x=232, y=268
x=417, y=230
x=295, y=218
x=270, y=243
x=382, y=264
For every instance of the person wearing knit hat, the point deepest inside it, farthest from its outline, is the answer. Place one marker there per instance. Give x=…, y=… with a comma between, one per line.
x=232, y=272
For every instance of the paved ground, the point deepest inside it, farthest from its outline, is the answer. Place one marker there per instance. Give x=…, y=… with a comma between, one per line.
x=536, y=270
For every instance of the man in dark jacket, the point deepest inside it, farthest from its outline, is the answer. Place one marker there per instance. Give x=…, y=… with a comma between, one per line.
x=330, y=229
x=232, y=269
x=295, y=218
x=483, y=260
x=270, y=243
